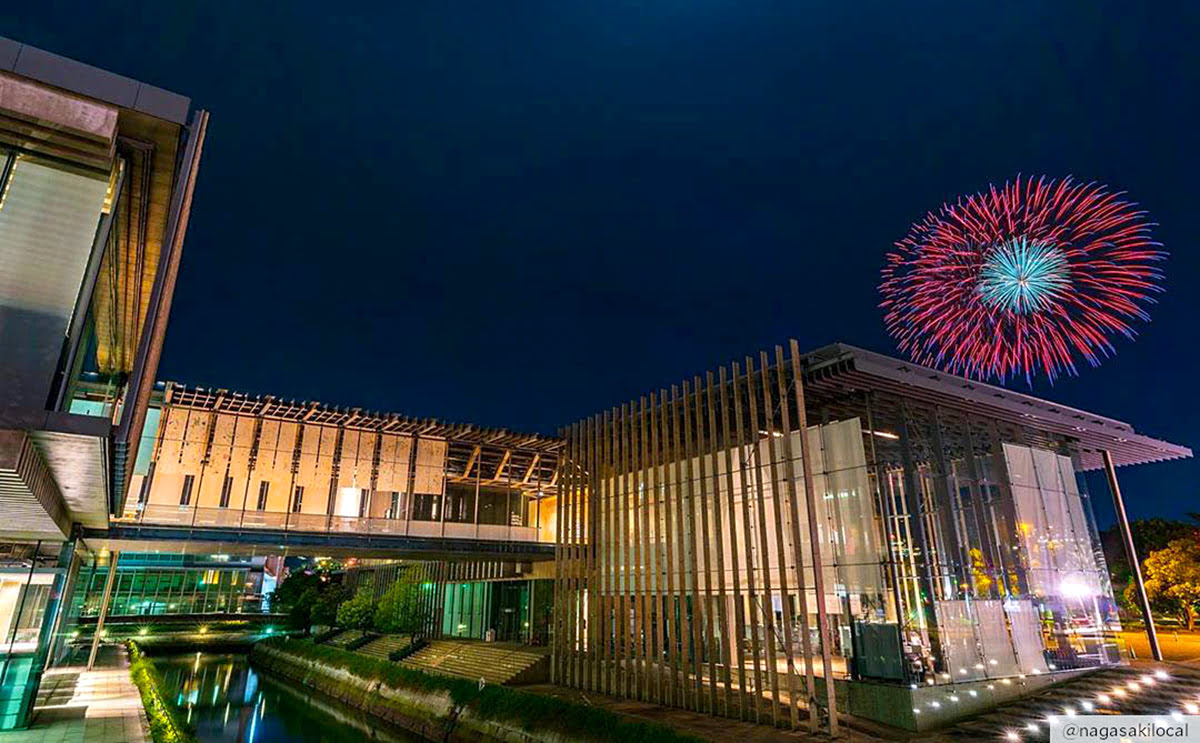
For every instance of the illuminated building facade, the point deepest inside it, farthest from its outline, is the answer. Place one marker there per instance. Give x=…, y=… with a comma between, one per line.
x=956, y=561
x=260, y=469
x=834, y=529
x=96, y=180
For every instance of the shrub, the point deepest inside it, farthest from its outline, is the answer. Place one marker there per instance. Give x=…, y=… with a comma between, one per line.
x=327, y=635
x=166, y=726
x=416, y=644
x=358, y=642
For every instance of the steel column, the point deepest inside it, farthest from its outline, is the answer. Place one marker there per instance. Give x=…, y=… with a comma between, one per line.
x=1131, y=554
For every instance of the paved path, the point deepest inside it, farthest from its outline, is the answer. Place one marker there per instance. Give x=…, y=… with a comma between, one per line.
x=699, y=724
x=78, y=706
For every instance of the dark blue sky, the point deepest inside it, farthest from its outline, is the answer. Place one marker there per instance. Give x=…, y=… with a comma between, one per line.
x=518, y=213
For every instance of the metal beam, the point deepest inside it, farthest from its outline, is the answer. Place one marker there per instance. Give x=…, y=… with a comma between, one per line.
x=114, y=556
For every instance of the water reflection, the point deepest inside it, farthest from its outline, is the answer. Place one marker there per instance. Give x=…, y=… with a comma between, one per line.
x=227, y=700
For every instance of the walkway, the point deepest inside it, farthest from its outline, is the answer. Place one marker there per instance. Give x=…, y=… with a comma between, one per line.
x=78, y=706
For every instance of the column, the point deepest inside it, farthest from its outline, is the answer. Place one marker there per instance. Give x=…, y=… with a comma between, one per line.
x=1135, y=565
x=108, y=585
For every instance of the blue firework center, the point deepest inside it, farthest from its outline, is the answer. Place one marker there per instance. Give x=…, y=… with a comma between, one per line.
x=1023, y=276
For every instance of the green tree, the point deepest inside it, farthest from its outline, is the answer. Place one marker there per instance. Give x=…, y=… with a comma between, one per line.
x=1172, y=577
x=358, y=612
x=1149, y=535
x=399, y=608
x=329, y=601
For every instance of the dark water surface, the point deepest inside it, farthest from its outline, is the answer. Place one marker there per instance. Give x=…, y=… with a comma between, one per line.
x=228, y=701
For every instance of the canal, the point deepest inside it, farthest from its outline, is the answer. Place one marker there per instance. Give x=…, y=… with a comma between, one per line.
x=229, y=701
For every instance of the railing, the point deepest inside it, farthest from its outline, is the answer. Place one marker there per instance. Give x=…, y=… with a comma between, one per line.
x=308, y=523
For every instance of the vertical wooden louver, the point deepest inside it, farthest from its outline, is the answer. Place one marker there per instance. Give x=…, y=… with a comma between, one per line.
x=682, y=543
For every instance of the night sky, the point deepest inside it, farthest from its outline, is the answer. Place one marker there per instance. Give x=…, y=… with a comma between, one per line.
x=517, y=214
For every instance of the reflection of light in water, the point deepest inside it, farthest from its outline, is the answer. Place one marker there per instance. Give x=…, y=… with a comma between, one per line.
x=253, y=727
x=226, y=720
x=251, y=686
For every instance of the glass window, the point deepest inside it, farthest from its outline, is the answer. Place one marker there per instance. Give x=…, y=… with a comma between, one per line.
x=297, y=498
x=226, y=488
x=263, y=488
x=426, y=507
x=460, y=502
x=185, y=495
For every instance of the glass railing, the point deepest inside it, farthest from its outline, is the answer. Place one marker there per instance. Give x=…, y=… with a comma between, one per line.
x=159, y=515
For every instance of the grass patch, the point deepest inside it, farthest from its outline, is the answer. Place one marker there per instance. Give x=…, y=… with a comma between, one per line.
x=499, y=703
x=166, y=726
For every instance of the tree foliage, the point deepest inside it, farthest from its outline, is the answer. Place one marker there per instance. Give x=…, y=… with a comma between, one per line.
x=1149, y=535
x=309, y=597
x=1172, y=576
x=358, y=612
x=399, y=607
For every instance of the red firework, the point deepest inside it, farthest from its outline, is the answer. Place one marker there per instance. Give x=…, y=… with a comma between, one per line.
x=1021, y=280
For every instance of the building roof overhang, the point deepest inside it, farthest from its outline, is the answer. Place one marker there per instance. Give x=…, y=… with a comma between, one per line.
x=355, y=418
x=842, y=364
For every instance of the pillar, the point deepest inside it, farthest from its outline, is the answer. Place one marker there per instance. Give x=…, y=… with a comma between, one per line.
x=1131, y=554
x=108, y=586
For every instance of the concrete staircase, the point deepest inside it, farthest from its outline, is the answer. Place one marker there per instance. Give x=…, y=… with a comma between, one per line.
x=1140, y=689
x=383, y=646
x=345, y=637
x=496, y=663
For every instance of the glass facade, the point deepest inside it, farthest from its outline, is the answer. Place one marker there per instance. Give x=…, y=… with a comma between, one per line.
x=706, y=545
x=150, y=585
x=29, y=601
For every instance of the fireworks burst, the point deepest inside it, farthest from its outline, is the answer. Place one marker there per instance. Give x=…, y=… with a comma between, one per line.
x=1021, y=280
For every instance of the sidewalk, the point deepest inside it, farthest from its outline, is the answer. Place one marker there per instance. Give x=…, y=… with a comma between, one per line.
x=78, y=706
